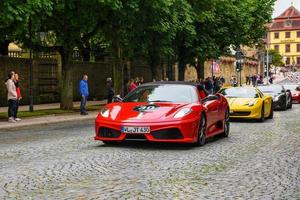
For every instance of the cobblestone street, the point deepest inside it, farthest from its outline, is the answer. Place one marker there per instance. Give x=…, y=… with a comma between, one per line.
x=257, y=161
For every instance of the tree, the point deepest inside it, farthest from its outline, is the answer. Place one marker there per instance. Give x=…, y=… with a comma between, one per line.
x=276, y=58
x=71, y=23
x=221, y=24
x=14, y=19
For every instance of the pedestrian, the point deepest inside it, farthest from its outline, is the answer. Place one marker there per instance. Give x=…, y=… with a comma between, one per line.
x=271, y=80
x=12, y=97
x=141, y=80
x=109, y=90
x=254, y=80
x=222, y=79
x=132, y=85
x=209, y=85
x=19, y=96
x=137, y=81
x=84, y=93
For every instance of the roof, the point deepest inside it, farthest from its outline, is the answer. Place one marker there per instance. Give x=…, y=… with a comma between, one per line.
x=289, y=13
x=170, y=83
x=288, y=20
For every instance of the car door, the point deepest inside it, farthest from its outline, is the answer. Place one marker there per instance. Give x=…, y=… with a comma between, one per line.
x=267, y=103
x=213, y=108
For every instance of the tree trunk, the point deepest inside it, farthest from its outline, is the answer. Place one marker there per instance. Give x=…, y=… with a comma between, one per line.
x=181, y=70
x=153, y=62
x=67, y=82
x=200, y=68
x=4, y=47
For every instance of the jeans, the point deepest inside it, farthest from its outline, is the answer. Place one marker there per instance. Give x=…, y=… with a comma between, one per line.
x=83, y=104
x=12, y=108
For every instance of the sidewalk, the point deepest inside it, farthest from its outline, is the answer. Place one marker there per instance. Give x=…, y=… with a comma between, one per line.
x=53, y=106
x=49, y=119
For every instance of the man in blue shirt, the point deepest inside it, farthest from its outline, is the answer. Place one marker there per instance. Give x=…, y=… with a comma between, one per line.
x=84, y=93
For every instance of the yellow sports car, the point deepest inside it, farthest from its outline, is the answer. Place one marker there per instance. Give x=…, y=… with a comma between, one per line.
x=248, y=103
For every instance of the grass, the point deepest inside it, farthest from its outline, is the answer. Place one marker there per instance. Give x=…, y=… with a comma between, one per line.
x=37, y=113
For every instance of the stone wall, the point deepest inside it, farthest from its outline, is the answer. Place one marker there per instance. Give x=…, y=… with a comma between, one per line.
x=227, y=69
x=47, y=72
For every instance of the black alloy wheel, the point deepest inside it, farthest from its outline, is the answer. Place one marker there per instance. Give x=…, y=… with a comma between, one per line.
x=226, y=124
x=272, y=111
x=262, y=117
x=290, y=102
x=283, y=105
x=202, y=132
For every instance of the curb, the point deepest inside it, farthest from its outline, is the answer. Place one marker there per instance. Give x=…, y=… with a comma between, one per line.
x=45, y=120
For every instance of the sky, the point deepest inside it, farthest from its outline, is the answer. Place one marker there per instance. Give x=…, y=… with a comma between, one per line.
x=282, y=5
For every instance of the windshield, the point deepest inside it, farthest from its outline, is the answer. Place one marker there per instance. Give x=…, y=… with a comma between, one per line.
x=239, y=93
x=291, y=87
x=270, y=88
x=163, y=93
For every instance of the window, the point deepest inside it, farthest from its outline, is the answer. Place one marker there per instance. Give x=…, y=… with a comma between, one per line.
x=276, y=35
x=298, y=34
x=298, y=47
x=298, y=60
x=288, y=61
x=287, y=34
x=288, y=23
x=276, y=47
x=287, y=48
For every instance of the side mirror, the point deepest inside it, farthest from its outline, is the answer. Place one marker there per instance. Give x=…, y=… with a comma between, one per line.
x=117, y=98
x=288, y=90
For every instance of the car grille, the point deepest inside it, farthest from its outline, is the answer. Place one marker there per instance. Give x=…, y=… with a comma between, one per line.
x=172, y=133
x=240, y=113
x=108, y=133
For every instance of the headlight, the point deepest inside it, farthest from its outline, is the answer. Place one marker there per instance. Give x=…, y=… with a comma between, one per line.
x=276, y=98
x=104, y=112
x=251, y=103
x=183, y=112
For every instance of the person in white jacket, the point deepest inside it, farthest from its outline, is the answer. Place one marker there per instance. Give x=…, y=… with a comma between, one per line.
x=11, y=97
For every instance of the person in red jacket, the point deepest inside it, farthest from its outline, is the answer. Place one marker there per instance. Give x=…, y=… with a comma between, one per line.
x=132, y=85
x=19, y=96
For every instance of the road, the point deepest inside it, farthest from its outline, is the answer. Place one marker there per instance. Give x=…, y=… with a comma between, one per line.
x=257, y=161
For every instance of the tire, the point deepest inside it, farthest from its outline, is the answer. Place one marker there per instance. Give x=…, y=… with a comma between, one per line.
x=226, y=124
x=283, y=105
x=272, y=111
x=262, y=117
x=290, y=105
x=201, y=137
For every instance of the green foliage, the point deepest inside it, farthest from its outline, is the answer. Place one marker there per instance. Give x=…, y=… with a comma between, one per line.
x=277, y=59
x=180, y=30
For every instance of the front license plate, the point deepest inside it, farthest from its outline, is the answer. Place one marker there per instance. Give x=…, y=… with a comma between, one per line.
x=134, y=130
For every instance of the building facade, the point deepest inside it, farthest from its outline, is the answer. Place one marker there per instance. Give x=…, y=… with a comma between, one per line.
x=284, y=36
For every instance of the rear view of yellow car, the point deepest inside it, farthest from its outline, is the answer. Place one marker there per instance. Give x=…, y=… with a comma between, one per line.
x=248, y=103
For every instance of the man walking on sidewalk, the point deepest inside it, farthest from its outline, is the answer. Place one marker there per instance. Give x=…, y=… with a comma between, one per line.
x=84, y=92
x=11, y=97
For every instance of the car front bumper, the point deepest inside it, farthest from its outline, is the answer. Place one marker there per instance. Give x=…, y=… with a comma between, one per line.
x=244, y=112
x=184, y=131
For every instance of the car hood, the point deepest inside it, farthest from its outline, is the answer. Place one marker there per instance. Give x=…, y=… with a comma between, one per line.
x=239, y=102
x=143, y=112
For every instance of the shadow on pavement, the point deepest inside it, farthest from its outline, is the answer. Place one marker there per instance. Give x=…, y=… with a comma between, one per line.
x=146, y=145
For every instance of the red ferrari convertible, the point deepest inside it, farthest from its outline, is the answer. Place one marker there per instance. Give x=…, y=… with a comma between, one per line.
x=164, y=112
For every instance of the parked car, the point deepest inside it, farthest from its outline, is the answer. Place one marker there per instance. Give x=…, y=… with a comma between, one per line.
x=164, y=112
x=282, y=98
x=248, y=103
